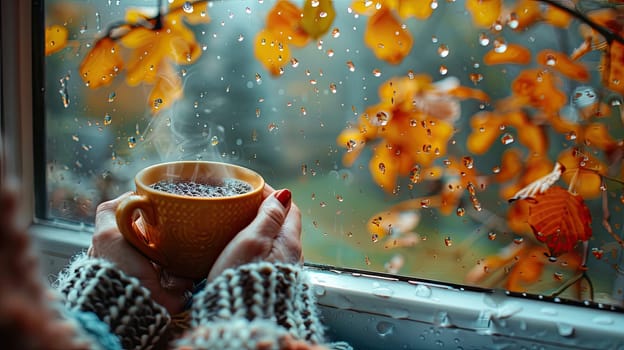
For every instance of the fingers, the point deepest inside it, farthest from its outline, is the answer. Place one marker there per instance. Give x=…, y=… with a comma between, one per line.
x=105, y=219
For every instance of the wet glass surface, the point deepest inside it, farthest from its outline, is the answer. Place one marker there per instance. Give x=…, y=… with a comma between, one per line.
x=470, y=142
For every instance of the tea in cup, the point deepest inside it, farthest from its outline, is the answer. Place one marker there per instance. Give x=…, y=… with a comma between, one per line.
x=188, y=212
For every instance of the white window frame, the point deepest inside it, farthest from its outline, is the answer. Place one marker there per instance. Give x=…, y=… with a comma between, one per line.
x=371, y=311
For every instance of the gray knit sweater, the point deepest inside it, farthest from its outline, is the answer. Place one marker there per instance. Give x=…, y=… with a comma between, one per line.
x=255, y=306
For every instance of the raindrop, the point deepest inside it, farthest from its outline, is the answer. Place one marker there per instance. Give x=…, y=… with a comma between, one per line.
x=443, y=50
x=443, y=70
x=272, y=127
x=75, y=138
x=367, y=260
x=558, y=276
x=484, y=40
x=500, y=46
x=131, y=142
x=241, y=37
x=111, y=96
x=496, y=170
x=214, y=141
x=491, y=236
x=434, y=4
x=384, y=328
x=597, y=253
x=565, y=330
x=461, y=212
x=423, y=291
x=258, y=78
x=332, y=88
x=476, y=78
x=570, y=136
x=351, y=66
x=351, y=144
x=376, y=72
x=551, y=60
x=304, y=169
x=330, y=53
x=513, y=22
x=448, y=241
x=382, y=168
x=374, y=238
x=187, y=7
x=468, y=162
x=335, y=32
x=507, y=139
x=108, y=119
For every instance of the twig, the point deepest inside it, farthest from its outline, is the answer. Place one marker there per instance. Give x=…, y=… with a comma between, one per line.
x=606, y=33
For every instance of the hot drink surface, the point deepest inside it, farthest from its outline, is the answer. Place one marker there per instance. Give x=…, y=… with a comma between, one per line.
x=225, y=188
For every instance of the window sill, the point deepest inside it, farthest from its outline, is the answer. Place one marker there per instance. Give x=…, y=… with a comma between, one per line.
x=377, y=312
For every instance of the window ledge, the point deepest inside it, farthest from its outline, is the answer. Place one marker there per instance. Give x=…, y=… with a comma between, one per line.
x=380, y=312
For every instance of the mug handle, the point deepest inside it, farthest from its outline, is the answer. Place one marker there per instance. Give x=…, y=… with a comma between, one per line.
x=124, y=216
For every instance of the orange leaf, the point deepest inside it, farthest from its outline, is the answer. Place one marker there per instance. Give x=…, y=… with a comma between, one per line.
x=514, y=53
x=387, y=37
x=563, y=64
x=55, y=39
x=101, y=64
x=484, y=12
x=559, y=219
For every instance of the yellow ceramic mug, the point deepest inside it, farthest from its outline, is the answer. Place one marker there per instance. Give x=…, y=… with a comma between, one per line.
x=186, y=234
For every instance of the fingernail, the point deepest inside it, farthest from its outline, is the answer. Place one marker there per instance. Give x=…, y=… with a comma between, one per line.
x=284, y=197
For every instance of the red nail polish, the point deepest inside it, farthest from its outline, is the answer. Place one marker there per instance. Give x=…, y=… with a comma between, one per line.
x=284, y=197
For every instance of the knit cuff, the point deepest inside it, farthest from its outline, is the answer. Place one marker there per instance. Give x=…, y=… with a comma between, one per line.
x=277, y=292
x=96, y=285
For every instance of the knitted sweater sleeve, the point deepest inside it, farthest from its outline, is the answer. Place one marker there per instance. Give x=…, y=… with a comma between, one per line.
x=256, y=306
x=97, y=286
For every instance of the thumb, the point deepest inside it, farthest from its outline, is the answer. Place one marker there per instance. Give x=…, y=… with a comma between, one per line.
x=272, y=213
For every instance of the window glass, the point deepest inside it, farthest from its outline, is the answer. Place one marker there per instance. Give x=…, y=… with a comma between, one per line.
x=468, y=142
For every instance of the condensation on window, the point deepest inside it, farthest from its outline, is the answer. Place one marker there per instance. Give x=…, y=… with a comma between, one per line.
x=468, y=142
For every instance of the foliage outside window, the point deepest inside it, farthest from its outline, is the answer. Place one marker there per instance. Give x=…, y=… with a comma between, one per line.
x=475, y=142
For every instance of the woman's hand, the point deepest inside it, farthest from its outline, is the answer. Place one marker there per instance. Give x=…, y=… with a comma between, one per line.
x=274, y=235
x=108, y=243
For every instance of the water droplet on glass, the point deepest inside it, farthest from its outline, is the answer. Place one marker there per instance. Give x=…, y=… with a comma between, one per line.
x=351, y=66
x=491, y=236
x=484, y=40
x=131, y=142
x=214, y=141
x=367, y=260
x=382, y=168
x=111, y=96
x=507, y=139
x=443, y=50
x=597, y=253
x=376, y=72
x=272, y=127
x=476, y=78
x=240, y=38
x=512, y=21
x=443, y=70
x=187, y=7
x=384, y=328
x=551, y=60
x=500, y=46
x=351, y=145
x=448, y=241
x=461, y=212
x=108, y=119
x=332, y=88
x=468, y=162
x=423, y=291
